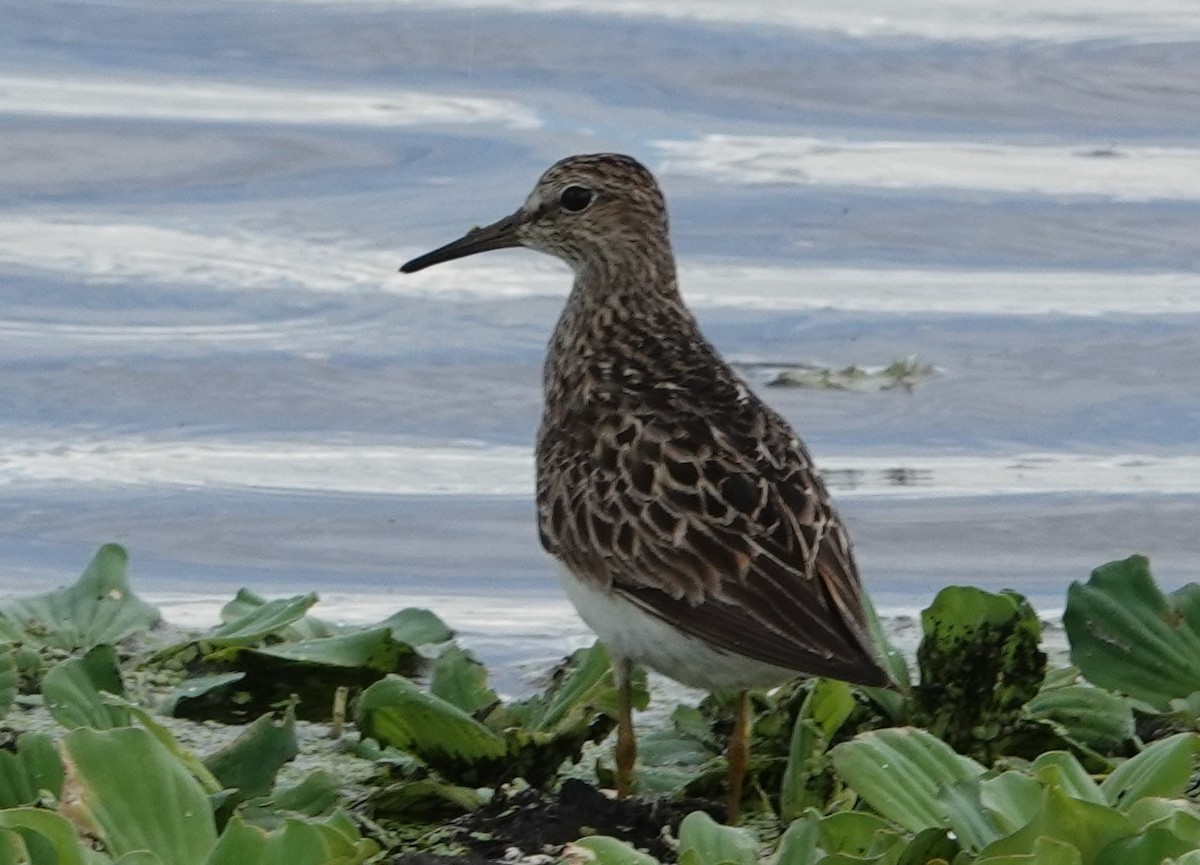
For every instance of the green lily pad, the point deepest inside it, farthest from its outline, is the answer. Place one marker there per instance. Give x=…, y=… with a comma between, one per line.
x=100, y=608
x=1128, y=636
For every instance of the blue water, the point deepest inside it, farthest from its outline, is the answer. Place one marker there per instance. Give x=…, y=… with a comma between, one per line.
x=206, y=353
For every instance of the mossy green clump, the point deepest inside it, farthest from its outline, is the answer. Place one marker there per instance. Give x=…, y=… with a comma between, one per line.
x=980, y=663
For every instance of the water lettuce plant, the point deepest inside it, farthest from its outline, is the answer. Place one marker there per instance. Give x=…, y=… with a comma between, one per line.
x=984, y=754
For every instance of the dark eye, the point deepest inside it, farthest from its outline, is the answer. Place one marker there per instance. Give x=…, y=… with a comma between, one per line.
x=575, y=198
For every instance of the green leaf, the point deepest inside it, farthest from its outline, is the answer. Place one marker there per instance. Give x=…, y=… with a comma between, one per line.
x=610, y=851
x=1087, y=827
x=672, y=758
x=196, y=688
x=1163, y=769
x=980, y=664
x=1062, y=769
x=56, y=830
x=427, y=798
x=1179, y=815
x=398, y=713
x=9, y=680
x=1093, y=717
x=973, y=824
x=32, y=768
x=579, y=706
x=304, y=628
x=929, y=846
x=1046, y=851
x=822, y=714
x=461, y=680
x=1149, y=847
x=138, y=857
x=417, y=627
x=704, y=841
x=167, y=739
x=1128, y=636
x=893, y=661
x=800, y=841
x=250, y=762
x=901, y=772
x=1011, y=799
x=116, y=778
x=857, y=834
x=260, y=622
x=99, y=608
x=580, y=687
x=296, y=842
x=373, y=649
x=72, y=690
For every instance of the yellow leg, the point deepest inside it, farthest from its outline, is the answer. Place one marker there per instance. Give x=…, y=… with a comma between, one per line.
x=738, y=756
x=626, y=744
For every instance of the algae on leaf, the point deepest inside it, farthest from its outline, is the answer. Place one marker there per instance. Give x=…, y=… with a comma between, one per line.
x=980, y=664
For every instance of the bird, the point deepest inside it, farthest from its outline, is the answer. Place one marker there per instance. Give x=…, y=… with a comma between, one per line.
x=692, y=531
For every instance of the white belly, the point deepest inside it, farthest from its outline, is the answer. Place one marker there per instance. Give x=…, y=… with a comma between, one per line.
x=630, y=633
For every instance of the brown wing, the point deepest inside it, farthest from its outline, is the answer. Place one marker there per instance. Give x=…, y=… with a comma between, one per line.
x=725, y=531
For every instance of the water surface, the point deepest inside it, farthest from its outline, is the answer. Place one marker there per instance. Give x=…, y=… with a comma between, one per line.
x=206, y=353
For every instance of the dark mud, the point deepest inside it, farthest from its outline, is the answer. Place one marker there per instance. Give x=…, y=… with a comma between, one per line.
x=536, y=823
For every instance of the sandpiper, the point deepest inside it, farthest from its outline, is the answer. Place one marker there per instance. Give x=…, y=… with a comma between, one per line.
x=694, y=534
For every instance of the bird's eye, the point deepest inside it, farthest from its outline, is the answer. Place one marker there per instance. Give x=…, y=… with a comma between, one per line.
x=575, y=198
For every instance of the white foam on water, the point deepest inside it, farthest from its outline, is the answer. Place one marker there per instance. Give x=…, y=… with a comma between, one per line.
x=1055, y=20
x=488, y=470
x=188, y=258
x=1122, y=173
x=66, y=96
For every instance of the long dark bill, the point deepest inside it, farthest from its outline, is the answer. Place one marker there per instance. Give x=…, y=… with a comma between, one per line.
x=498, y=235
